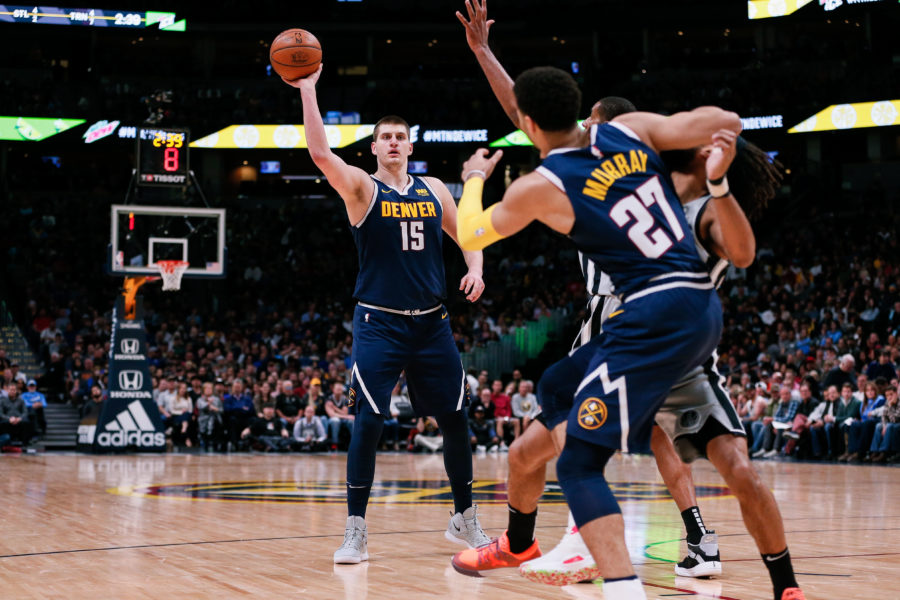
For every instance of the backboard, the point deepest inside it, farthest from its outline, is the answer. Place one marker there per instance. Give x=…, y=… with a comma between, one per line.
x=142, y=235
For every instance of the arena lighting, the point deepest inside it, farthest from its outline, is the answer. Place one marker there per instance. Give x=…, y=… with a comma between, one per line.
x=91, y=17
x=765, y=9
x=34, y=129
x=280, y=136
x=859, y=115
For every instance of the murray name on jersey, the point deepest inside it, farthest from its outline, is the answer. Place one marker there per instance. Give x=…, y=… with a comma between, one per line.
x=612, y=169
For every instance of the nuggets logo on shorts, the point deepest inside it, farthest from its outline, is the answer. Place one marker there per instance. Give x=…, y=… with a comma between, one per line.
x=352, y=396
x=592, y=414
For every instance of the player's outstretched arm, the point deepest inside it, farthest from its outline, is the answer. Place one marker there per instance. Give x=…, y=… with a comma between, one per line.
x=472, y=283
x=683, y=130
x=352, y=183
x=528, y=198
x=477, y=28
x=729, y=230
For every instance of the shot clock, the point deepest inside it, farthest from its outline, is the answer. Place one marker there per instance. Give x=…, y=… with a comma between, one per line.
x=162, y=156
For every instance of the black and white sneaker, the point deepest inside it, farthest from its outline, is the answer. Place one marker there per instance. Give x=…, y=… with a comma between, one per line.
x=702, y=559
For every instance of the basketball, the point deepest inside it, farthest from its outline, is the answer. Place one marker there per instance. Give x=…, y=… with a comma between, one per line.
x=295, y=53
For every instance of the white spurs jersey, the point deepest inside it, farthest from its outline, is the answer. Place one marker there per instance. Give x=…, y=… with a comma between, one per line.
x=600, y=288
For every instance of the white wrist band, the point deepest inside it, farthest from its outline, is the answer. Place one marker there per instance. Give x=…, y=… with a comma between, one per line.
x=720, y=189
x=469, y=174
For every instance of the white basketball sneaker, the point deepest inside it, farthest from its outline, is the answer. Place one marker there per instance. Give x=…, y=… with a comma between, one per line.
x=354, y=549
x=570, y=562
x=702, y=559
x=464, y=528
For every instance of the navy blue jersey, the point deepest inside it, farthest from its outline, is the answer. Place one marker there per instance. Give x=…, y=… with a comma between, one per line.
x=401, y=263
x=628, y=219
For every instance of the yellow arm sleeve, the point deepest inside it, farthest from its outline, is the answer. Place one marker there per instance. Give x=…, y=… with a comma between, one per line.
x=474, y=229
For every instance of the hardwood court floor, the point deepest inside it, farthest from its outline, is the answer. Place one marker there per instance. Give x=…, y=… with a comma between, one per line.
x=263, y=526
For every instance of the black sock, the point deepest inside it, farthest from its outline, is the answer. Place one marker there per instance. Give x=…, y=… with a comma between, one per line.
x=781, y=571
x=520, y=530
x=693, y=523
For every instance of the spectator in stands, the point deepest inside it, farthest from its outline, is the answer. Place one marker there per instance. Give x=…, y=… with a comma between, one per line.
x=315, y=397
x=507, y=426
x=210, y=420
x=288, y=405
x=752, y=413
x=164, y=397
x=91, y=408
x=428, y=435
x=35, y=402
x=238, y=412
x=824, y=414
x=267, y=433
x=862, y=431
x=886, y=441
x=309, y=433
x=337, y=408
x=847, y=412
x=843, y=373
x=524, y=403
x=883, y=367
x=483, y=432
x=781, y=421
x=182, y=415
x=14, y=415
x=797, y=436
x=484, y=400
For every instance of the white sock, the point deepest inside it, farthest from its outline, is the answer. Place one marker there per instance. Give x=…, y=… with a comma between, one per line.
x=624, y=589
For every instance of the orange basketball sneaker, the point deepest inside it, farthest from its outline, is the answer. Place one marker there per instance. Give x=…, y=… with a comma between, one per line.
x=495, y=555
x=792, y=594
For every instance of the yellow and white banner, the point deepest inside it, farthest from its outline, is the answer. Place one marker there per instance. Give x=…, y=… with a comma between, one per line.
x=280, y=136
x=765, y=9
x=858, y=115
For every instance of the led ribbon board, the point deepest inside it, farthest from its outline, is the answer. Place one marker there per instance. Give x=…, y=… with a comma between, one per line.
x=34, y=129
x=90, y=17
x=516, y=138
x=280, y=136
x=883, y=113
x=765, y=9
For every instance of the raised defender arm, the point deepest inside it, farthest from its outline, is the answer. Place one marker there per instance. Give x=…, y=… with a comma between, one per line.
x=477, y=28
x=352, y=183
x=680, y=131
x=729, y=230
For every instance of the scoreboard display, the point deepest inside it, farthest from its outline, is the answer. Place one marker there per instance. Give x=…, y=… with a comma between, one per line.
x=162, y=156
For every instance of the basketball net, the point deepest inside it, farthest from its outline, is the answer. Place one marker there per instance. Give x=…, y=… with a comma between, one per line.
x=171, y=272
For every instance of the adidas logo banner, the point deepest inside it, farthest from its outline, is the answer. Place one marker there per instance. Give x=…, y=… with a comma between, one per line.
x=129, y=419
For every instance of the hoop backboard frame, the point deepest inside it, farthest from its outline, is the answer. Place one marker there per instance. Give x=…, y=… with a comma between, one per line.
x=116, y=265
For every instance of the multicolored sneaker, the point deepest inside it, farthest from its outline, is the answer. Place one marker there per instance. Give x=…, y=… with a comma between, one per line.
x=792, y=594
x=464, y=528
x=570, y=562
x=702, y=559
x=495, y=555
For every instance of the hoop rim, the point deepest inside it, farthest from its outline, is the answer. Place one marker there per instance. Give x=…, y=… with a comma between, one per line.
x=170, y=266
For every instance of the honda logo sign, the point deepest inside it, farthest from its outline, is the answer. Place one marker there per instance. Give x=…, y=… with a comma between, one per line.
x=131, y=380
x=130, y=346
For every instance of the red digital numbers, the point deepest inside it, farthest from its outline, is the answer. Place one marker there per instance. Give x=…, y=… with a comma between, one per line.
x=170, y=159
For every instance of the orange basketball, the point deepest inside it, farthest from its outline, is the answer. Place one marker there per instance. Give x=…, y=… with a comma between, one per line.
x=295, y=53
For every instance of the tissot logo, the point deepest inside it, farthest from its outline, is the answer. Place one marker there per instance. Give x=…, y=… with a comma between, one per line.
x=130, y=346
x=131, y=380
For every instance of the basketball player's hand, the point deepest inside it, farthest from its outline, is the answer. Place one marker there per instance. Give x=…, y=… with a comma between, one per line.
x=478, y=25
x=480, y=161
x=308, y=81
x=723, y=152
x=472, y=285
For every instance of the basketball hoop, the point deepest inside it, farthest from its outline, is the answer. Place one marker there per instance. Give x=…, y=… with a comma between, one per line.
x=171, y=272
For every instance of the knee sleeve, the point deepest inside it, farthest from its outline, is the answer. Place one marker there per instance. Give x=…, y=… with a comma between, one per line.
x=580, y=473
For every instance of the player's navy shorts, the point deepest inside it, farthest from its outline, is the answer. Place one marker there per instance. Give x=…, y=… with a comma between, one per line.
x=646, y=347
x=385, y=343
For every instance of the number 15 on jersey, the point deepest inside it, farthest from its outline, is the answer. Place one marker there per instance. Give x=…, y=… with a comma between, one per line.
x=413, y=236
